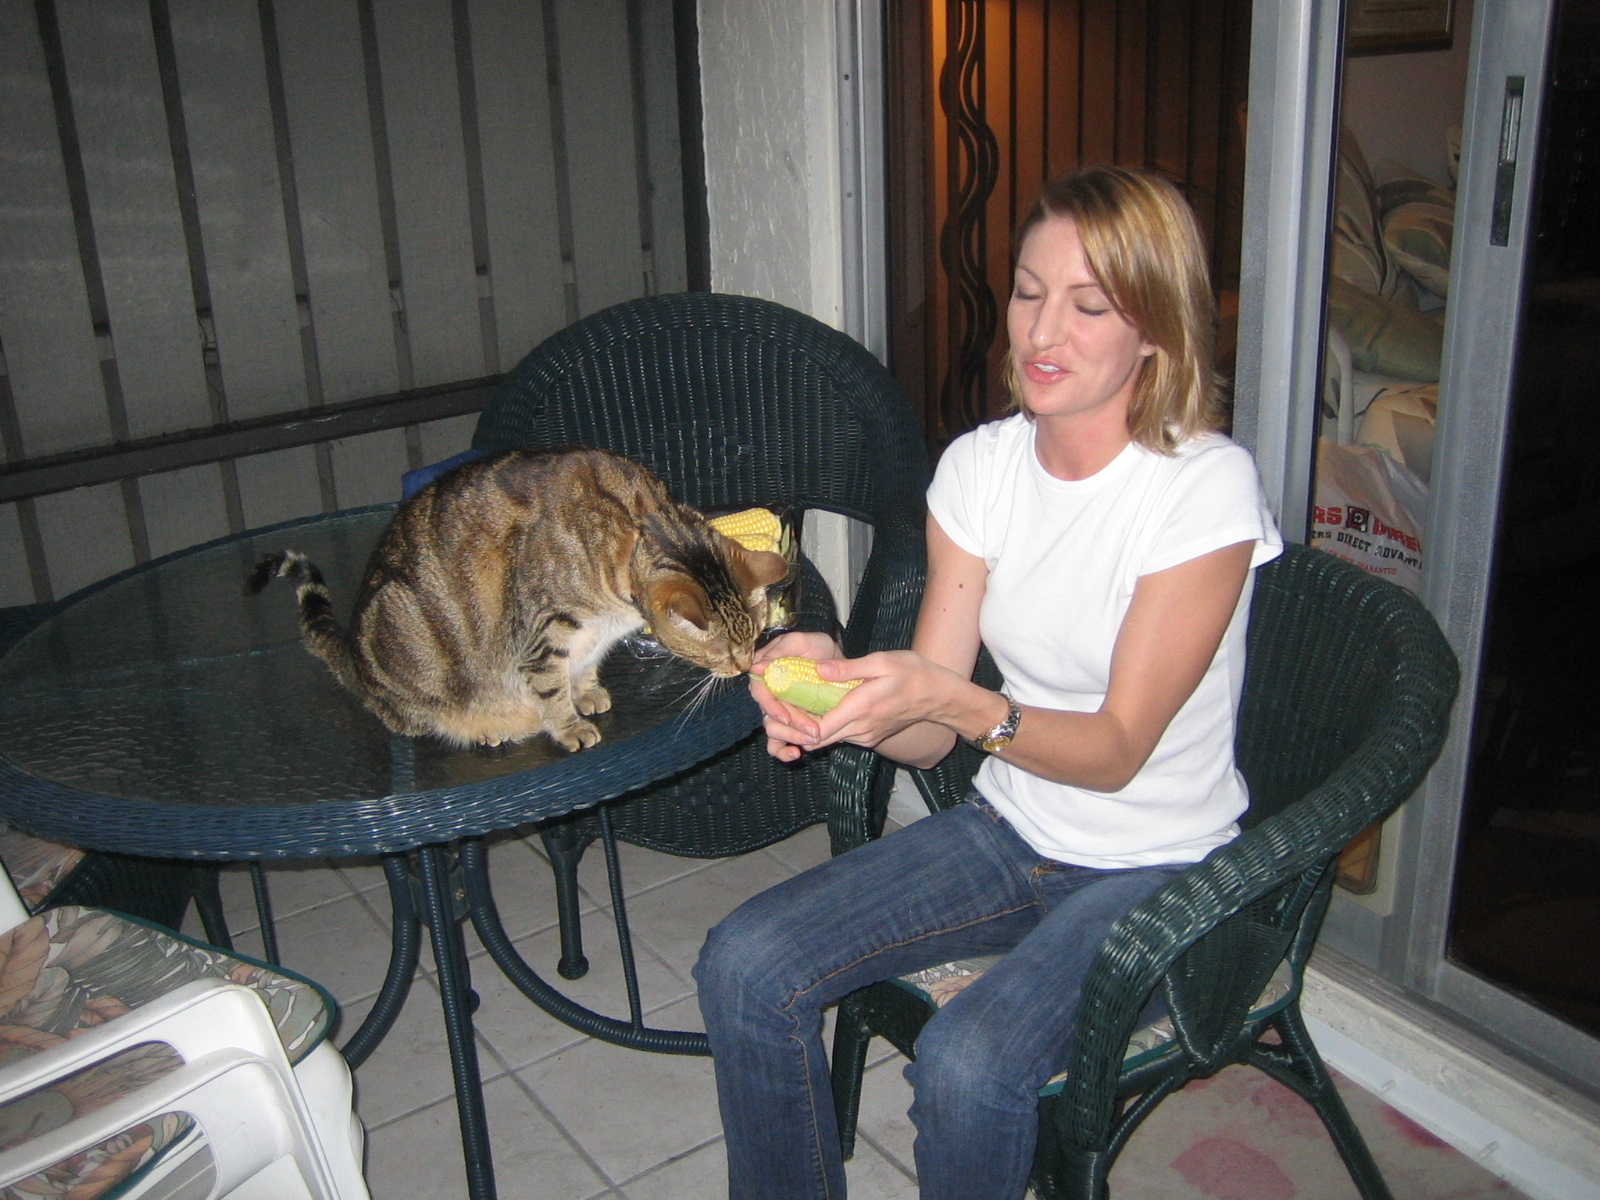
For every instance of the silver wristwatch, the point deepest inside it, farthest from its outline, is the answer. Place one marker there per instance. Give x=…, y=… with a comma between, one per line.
x=1000, y=736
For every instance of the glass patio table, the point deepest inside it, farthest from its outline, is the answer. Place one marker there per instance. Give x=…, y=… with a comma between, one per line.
x=167, y=713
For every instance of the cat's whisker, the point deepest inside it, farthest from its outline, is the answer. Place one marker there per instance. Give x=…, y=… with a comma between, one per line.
x=701, y=691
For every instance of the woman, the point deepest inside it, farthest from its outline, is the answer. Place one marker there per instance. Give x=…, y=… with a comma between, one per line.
x=1099, y=542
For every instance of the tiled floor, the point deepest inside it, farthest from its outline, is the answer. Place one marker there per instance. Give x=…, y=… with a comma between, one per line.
x=572, y=1118
x=569, y=1117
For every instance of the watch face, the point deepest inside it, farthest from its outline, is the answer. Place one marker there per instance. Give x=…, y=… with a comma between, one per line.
x=1000, y=736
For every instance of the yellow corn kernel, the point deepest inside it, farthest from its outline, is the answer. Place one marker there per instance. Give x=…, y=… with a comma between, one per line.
x=796, y=681
x=754, y=529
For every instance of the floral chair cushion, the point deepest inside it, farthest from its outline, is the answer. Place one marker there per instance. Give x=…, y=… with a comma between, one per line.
x=36, y=867
x=70, y=969
x=107, y=1168
x=941, y=984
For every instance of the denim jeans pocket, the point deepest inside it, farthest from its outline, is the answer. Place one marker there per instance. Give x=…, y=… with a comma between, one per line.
x=975, y=798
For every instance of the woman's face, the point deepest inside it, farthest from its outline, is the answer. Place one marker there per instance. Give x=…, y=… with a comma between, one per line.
x=1072, y=352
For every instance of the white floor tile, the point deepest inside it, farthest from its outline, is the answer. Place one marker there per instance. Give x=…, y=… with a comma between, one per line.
x=363, y=874
x=410, y=1068
x=524, y=888
x=870, y=1176
x=294, y=888
x=571, y=1117
x=343, y=944
x=673, y=919
x=642, y=870
x=521, y=1032
x=599, y=1127
x=885, y=1101
x=702, y=1173
x=630, y=1111
x=420, y=1155
x=805, y=849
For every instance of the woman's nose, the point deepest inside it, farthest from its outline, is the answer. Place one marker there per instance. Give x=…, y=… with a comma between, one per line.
x=1048, y=329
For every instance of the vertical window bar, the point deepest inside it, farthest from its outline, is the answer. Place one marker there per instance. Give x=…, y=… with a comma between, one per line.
x=199, y=276
x=558, y=154
x=641, y=149
x=294, y=231
x=384, y=171
x=27, y=518
x=477, y=206
x=89, y=256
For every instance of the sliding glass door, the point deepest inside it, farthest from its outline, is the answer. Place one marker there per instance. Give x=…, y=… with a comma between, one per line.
x=1478, y=900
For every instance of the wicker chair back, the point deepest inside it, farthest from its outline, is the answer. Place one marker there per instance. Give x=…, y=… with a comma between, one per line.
x=737, y=402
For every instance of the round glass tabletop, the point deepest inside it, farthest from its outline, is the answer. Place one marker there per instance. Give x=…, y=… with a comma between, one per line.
x=168, y=712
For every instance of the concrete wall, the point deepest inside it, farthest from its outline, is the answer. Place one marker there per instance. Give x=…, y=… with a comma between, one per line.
x=769, y=86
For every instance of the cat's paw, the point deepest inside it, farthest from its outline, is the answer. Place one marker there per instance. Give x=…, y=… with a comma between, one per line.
x=579, y=735
x=593, y=700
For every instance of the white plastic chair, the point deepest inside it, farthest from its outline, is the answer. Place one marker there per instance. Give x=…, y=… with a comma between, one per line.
x=263, y=1129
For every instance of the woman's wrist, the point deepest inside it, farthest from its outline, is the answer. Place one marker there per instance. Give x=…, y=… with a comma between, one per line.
x=981, y=712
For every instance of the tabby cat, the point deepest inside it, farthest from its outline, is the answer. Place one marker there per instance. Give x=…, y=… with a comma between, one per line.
x=494, y=593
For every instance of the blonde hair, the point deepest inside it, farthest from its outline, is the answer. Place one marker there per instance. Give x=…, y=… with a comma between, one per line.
x=1143, y=246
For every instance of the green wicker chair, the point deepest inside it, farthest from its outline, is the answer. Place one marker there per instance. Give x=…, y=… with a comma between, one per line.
x=1346, y=701
x=737, y=402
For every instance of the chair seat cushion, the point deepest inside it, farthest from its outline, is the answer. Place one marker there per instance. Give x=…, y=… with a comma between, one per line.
x=940, y=984
x=36, y=866
x=69, y=969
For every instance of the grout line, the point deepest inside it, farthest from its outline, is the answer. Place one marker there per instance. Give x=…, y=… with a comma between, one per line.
x=669, y=1161
x=909, y=1172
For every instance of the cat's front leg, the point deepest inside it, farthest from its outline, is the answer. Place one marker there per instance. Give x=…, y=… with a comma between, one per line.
x=589, y=695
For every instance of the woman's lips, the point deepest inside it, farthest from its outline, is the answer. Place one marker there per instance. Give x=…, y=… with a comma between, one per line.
x=1042, y=371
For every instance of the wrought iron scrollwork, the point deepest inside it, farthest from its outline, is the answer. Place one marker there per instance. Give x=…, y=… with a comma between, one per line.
x=974, y=169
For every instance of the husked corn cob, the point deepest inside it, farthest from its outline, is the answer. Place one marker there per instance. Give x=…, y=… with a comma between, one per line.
x=796, y=681
x=753, y=528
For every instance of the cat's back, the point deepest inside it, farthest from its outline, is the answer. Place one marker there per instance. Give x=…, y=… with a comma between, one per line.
x=517, y=493
x=553, y=523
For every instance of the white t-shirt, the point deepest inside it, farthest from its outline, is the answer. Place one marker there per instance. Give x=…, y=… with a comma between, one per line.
x=1063, y=558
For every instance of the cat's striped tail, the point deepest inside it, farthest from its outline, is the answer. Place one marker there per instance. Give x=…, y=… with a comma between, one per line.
x=319, y=628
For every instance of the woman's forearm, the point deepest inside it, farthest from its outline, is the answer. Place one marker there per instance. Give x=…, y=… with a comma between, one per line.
x=921, y=745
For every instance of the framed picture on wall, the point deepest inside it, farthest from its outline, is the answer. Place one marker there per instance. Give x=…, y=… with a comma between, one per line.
x=1385, y=26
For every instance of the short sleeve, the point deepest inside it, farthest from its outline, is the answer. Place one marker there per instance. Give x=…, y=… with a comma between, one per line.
x=1215, y=500
x=955, y=495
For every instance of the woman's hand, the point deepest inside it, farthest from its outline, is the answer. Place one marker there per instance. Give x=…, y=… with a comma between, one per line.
x=790, y=730
x=899, y=689
x=905, y=708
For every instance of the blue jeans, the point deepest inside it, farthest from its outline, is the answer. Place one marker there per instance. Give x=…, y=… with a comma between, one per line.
x=955, y=884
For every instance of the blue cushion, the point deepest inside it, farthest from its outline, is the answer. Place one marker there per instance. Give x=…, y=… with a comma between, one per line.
x=413, y=482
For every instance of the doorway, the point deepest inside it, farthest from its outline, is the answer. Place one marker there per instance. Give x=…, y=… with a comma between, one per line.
x=986, y=101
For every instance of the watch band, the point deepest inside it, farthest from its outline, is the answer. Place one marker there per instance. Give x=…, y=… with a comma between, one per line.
x=1000, y=736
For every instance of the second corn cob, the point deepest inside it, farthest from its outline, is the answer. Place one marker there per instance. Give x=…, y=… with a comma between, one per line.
x=753, y=528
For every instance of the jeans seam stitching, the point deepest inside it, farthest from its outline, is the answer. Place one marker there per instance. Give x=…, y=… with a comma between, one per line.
x=817, y=1162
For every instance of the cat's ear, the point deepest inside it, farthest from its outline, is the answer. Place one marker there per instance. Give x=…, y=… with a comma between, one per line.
x=758, y=568
x=682, y=599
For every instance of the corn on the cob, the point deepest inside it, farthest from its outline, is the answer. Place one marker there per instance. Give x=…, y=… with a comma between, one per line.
x=796, y=681
x=754, y=529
